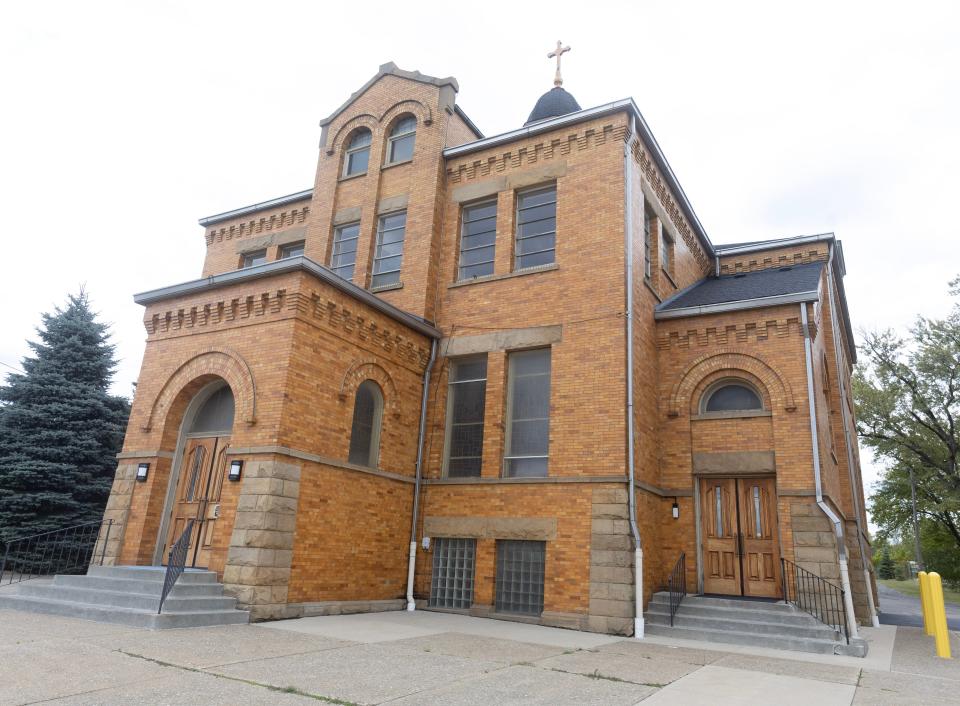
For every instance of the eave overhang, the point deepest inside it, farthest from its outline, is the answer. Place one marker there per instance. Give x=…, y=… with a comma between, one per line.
x=292, y=264
x=253, y=208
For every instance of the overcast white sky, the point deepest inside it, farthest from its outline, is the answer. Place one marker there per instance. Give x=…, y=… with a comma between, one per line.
x=122, y=123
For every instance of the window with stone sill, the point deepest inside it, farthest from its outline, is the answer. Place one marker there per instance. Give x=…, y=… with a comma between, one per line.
x=666, y=251
x=478, y=235
x=466, y=399
x=388, y=256
x=536, y=238
x=402, y=139
x=344, y=253
x=528, y=414
x=357, y=157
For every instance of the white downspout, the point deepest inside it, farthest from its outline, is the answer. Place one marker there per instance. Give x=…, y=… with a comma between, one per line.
x=638, y=627
x=841, y=382
x=412, y=561
x=827, y=510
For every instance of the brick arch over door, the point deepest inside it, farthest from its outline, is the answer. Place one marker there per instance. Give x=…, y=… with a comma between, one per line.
x=730, y=360
x=361, y=370
x=221, y=363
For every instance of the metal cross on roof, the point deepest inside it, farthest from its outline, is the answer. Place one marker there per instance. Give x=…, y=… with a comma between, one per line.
x=558, y=52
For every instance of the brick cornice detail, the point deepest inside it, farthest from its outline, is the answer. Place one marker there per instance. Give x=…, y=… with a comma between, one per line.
x=530, y=154
x=223, y=363
x=743, y=332
x=730, y=360
x=275, y=221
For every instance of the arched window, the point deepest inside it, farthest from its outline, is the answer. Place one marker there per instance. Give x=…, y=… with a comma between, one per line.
x=215, y=414
x=357, y=157
x=731, y=396
x=402, y=137
x=365, y=432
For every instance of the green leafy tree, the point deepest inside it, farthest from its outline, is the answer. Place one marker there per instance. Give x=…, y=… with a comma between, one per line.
x=907, y=393
x=60, y=428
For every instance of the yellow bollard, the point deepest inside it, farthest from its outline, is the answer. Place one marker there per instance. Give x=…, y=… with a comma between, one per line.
x=925, y=604
x=938, y=615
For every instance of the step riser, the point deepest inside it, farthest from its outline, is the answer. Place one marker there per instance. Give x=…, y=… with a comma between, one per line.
x=685, y=621
x=752, y=640
x=150, y=588
x=139, y=620
x=664, y=598
x=787, y=620
x=127, y=600
x=150, y=573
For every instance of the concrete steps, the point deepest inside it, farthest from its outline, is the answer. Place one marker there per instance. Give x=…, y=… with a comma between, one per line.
x=129, y=595
x=753, y=623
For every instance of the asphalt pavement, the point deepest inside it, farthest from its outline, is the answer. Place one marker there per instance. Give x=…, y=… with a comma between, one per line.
x=899, y=609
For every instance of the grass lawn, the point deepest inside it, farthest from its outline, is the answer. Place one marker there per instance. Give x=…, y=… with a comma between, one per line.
x=911, y=587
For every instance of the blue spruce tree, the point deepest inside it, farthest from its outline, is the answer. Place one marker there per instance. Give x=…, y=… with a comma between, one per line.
x=60, y=428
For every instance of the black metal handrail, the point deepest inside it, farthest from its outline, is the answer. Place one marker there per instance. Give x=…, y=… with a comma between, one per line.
x=61, y=551
x=814, y=595
x=176, y=562
x=677, y=584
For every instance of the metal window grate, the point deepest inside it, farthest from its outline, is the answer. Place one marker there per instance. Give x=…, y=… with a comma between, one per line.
x=452, y=583
x=520, y=576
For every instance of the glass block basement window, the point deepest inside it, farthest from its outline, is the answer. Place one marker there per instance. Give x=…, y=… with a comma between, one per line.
x=452, y=582
x=520, y=576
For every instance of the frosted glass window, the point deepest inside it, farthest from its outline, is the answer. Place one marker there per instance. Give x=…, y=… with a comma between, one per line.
x=466, y=396
x=519, y=582
x=365, y=431
x=528, y=414
x=344, y=255
x=733, y=398
x=477, y=240
x=536, y=227
x=451, y=585
x=388, y=257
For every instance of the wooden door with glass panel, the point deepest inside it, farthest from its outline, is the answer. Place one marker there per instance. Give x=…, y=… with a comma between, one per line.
x=198, y=496
x=741, y=550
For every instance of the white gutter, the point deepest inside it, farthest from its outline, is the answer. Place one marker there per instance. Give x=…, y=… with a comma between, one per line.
x=638, y=627
x=412, y=560
x=244, y=210
x=725, y=250
x=854, y=488
x=827, y=510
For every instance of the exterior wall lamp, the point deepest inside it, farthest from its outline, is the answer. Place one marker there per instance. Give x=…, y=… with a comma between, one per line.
x=142, y=470
x=675, y=510
x=236, y=468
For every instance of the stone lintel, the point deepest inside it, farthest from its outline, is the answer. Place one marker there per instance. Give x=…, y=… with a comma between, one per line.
x=502, y=340
x=536, y=528
x=734, y=462
x=282, y=237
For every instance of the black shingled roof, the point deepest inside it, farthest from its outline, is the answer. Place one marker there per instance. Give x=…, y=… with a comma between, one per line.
x=748, y=285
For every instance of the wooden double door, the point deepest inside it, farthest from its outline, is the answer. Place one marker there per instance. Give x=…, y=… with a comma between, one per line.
x=741, y=549
x=197, y=497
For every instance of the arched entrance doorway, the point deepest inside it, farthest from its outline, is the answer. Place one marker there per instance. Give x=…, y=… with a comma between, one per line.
x=200, y=473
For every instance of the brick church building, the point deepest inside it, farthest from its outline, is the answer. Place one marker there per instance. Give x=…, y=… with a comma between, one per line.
x=509, y=376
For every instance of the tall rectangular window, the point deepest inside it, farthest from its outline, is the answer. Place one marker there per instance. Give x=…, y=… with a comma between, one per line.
x=344, y=254
x=466, y=395
x=666, y=251
x=519, y=581
x=477, y=240
x=451, y=584
x=528, y=414
x=389, y=254
x=647, y=234
x=536, y=227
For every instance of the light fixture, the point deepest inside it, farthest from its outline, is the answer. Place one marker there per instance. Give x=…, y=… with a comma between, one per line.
x=425, y=542
x=235, y=468
x=142, y=470
x=675, y=509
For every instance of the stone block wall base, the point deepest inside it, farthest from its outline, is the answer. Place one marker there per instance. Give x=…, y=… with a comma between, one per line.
x=611, y=564
x=309, y=610
x=274, y=611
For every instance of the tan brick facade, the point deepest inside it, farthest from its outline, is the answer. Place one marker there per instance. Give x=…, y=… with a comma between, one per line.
x=306, y=532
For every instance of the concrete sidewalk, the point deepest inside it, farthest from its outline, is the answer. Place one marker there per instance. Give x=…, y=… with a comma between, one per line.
x=426, y=658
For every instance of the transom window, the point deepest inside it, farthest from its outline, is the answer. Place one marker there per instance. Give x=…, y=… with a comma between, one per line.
x=357, y=157
x=536, y=227
x=365, y=430
x=402, y=138
x=291, y=250
x=344, y=254
x=528, y=414
x=477, y=239
x=466, y=396
x=254, y=258
x=388, y=257
x=732, y=397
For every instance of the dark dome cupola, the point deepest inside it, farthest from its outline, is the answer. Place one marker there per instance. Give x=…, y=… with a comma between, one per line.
x=556, y=101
